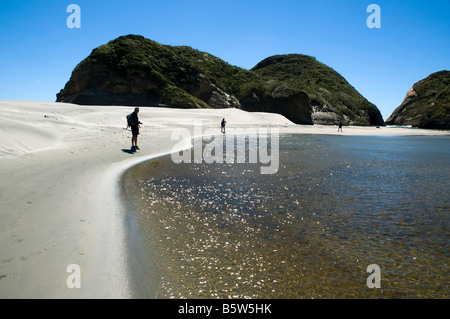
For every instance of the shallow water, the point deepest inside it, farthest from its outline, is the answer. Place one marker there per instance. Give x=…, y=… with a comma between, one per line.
x=336, y=205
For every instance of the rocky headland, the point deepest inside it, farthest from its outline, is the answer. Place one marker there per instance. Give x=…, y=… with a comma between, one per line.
x=132, y=70
x=426, y=105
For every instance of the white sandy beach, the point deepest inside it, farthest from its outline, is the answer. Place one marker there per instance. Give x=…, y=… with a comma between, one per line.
x=60, y=202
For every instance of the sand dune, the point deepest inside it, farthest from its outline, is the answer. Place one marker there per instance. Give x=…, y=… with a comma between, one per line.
x=60, y=201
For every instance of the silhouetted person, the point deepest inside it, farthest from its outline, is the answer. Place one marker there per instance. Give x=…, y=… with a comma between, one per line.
x=222, y=125
x=134, y=124
x=340, y=127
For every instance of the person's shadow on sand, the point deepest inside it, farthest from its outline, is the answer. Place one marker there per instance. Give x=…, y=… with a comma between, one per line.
x=132, y=150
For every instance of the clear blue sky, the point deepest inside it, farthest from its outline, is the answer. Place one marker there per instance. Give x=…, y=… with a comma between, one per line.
x=38, y=51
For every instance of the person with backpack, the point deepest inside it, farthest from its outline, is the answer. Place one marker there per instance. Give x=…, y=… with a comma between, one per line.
x=133, y=122
x=222, y=125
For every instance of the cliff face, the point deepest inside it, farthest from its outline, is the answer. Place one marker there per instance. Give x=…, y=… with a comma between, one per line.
x=426, y=105
x=132, y=70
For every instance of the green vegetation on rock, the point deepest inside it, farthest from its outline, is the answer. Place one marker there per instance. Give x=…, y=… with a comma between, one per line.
x=133, y=70
x=426, y=105
x=328, y=91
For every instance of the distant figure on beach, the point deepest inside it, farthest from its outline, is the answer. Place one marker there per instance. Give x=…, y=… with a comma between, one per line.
x=222, y=125
x=340, y=127
x=133, y=121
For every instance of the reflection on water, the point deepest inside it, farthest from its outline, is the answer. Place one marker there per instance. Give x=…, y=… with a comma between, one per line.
x=336, y=205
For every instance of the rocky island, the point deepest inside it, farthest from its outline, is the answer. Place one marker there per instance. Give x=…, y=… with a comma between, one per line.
x=132, y=70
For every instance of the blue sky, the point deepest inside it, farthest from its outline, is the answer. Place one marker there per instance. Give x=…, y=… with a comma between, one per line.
x=39, y=51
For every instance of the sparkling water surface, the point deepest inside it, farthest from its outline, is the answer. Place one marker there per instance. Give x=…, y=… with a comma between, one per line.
x=336, y=205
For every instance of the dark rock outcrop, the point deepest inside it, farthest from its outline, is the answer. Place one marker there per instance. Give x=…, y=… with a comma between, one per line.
x=426, y=105
x=132, y=70
x=294, y=106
